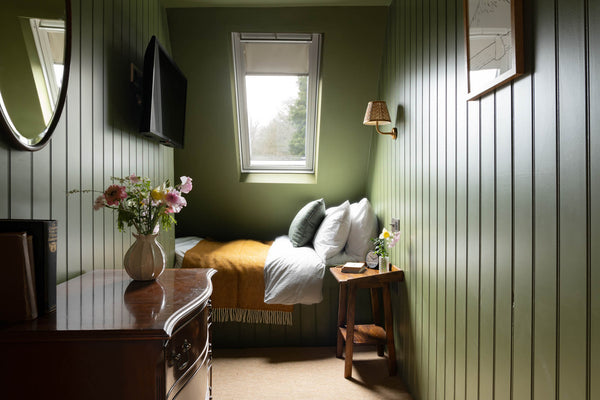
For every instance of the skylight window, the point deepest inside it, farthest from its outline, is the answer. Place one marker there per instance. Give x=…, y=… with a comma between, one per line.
x=49, y=38
x=276, y=91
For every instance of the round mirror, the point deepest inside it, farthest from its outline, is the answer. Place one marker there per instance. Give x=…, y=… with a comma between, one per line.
x=35, y=38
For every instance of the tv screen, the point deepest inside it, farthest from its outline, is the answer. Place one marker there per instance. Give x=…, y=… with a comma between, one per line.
x=163, y=97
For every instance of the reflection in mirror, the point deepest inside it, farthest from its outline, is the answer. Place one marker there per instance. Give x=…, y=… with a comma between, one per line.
x=34, y=37
x=493, y=43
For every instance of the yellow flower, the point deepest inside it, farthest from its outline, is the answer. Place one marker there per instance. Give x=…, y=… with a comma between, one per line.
x=385, y=234
x=158, y=193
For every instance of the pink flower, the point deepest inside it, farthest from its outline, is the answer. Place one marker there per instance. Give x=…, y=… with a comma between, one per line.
x=134, y=178
x=394, y=240
x=186, y=184
x=174, y=201
x=114, y=194
x=99, y=203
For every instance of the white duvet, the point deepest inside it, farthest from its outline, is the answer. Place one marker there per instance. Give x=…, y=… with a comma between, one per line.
x=293, y=274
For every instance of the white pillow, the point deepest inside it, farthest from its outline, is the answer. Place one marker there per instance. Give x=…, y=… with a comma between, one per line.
x=363, y=227
x=338, y=259
x=331, y=236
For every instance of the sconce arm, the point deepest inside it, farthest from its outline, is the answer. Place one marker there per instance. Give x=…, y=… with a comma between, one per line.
x=394, y=131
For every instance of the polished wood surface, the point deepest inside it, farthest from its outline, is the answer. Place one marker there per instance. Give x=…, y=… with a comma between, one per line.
x=349, y=333
x=370, y=276
x=109, y=303
x=114, y=338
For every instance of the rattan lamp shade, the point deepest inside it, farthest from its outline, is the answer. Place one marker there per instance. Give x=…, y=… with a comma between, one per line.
x=377, y=112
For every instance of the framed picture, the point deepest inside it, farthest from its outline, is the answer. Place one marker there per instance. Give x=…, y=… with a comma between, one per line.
x=494, y=44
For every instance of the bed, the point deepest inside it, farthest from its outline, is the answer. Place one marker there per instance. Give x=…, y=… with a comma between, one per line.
x=260, y=282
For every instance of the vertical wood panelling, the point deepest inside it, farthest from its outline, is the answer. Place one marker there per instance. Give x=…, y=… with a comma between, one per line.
x=117, y=122
x=96, y=82
x=92, y=141
x=4, y=179
x=440, y=288
x=473, y=273
x=503, y=274
x=523, y=242
x=449, y=71
x=425, y=153
x=594, y=201
x=78, y=115
x=41, y=184
x=498, y=200
x=572, y=201
x=21, y=184
x=487, y=290
x=545, y=116
x=84, y=85
x=58, y=200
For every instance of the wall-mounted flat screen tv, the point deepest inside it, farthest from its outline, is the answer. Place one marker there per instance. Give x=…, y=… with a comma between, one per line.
x=164, y=90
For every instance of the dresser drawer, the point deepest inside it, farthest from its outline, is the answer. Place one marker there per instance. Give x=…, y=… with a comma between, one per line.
x=197, y=386
x=186, y=352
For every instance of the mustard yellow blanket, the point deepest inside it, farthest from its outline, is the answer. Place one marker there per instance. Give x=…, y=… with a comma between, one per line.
x=238, y=285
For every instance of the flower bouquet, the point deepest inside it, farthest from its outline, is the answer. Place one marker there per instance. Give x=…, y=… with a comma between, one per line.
x=385, y=241
x=146, y=208
x=143, y=207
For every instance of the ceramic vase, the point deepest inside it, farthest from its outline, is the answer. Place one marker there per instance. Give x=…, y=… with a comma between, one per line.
x=384, y=263
x=145, y=259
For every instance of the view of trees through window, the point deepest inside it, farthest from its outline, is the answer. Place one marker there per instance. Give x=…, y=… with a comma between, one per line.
x=277, y=117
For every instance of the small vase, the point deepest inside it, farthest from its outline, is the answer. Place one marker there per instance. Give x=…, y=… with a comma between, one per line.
x=145, y=259
x=384, y=263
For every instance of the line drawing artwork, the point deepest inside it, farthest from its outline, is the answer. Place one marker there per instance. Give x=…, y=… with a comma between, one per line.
x=490, y=39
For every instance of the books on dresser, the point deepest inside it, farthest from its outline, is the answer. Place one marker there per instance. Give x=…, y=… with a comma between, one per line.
x=17, y=296
x=44, y=237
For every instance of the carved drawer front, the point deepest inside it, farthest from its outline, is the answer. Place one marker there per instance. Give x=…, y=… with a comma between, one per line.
x=187, y=353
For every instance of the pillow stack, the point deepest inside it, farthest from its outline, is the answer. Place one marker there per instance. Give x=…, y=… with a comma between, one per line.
x=338, y=234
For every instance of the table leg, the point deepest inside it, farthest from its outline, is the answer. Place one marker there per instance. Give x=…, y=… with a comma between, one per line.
x=350, y=331
x=341, y=320
x=389, y=329
x=375, y=309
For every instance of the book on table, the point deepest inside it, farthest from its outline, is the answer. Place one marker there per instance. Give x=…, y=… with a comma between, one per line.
x=44, y=237
x=354, y=267
x=17, y=297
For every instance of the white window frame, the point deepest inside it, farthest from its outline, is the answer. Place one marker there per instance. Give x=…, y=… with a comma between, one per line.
x=40, y=29
x=246, y=164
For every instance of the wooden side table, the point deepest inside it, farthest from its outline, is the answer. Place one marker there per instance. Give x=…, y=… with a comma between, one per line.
x=372, y=334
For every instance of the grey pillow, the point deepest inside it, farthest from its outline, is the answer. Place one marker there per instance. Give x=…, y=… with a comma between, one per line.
x=305, y=223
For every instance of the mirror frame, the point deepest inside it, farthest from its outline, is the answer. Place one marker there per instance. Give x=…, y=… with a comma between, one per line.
x=8, y=129
x=518, y=64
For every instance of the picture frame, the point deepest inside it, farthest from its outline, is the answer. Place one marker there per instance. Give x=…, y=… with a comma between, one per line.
x=494, y=44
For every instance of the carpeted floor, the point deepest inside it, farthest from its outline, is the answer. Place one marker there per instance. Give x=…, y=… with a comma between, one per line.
x=307, y=373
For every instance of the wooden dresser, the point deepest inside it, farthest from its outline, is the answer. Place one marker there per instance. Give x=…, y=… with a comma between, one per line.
x=112, y=338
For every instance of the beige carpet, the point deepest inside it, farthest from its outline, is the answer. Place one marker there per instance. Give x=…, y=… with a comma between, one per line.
x=302, y=373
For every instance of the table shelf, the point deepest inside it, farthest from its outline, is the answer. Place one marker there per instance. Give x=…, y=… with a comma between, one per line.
x=366, y=334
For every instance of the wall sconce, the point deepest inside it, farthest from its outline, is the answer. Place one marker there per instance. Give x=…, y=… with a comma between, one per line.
x=377, y=113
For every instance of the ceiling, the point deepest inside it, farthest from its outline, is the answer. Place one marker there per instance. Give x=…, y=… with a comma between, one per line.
x=272, y=3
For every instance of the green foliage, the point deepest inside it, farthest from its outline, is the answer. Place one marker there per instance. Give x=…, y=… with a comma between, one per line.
x=380, y=247
x=297, y=115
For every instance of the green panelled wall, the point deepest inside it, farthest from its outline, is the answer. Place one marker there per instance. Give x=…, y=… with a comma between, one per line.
x=96, y=138
x=225, y=208
x=499, y=203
